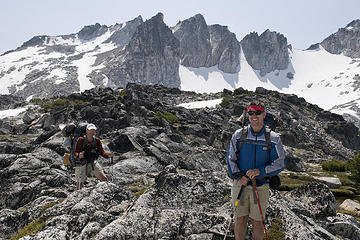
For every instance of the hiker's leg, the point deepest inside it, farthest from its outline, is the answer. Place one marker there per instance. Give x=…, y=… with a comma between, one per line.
x=255, y=216
x=98, y=172
x=101, y=177
x=241, y=211
x=79, y=185
x=80, y=176
x=258, y=230
x=240, y=227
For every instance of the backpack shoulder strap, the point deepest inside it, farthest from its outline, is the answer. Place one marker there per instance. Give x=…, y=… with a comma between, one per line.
x=241, y=140
x=267, y=138
x=268, y=141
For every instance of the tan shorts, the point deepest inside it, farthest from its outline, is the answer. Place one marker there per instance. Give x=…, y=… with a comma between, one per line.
x=84, y=171
x=246, y=206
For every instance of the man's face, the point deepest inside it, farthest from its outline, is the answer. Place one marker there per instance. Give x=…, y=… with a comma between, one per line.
x=90, y=132
x=256, y=117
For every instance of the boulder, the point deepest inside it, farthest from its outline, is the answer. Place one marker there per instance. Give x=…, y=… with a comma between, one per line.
x=314, y=200
x=331, y=182
x=350, y=205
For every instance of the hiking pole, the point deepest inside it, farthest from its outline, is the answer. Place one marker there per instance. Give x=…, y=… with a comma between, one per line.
x=258, y=201
x=233, y=212
x=112, y=169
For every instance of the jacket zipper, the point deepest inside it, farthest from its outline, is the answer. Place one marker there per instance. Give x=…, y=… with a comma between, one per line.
x=255, y=150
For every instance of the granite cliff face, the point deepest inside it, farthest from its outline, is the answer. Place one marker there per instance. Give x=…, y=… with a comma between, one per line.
x=207, y=46
x=267, y=52
x=345, y=40
x=168, y=179
x=150, y=57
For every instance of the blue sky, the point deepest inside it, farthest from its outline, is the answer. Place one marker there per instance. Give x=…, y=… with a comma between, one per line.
x=302, y=22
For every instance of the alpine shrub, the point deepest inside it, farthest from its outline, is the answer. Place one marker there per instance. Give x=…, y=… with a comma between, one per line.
x=170, y=117
x=334, y=166
x=227, y=99
x=353, y=165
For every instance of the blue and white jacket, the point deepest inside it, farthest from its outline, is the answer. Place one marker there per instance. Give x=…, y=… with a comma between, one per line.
x=256, y=146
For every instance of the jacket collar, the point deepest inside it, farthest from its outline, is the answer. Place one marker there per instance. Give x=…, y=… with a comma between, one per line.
x=259, y=133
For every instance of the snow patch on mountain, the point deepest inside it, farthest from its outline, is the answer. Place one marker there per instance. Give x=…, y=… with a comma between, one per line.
x=320, y=77
x=11, y=112
x=201, y=104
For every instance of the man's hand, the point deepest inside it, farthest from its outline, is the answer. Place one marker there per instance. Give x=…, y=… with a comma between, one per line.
x=244, y=180
x=253, y=173
x=81, y=154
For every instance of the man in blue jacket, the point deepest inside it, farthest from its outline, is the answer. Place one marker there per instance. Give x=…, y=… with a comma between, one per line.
x=253, y=161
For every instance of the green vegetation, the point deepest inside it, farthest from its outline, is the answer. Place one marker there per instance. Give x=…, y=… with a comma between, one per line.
x=62, y=103
x=240, y=91
x=35, y=226
x=32, y=228
x=344, y=191
x=334, y=166
x=36, y=100
x=170, y=117
x=15, y=138
x=49, y=205
x=59, y=102
x=138, y=188
x=227, y=99
x=292, y=180
x=353, y=165
x=275, y=232
x=123, y=93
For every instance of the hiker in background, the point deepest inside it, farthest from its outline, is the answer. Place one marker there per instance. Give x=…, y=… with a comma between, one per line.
x=87, y=150
x=249, y=163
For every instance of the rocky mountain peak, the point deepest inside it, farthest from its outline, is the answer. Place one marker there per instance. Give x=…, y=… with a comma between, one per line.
x=354, y=24
x=35, y=41
x=123, y=32
x=267, y=52
x=345, y=40
x=151, y=56
x=194, y=38
x=92, y=31
x=207, y=46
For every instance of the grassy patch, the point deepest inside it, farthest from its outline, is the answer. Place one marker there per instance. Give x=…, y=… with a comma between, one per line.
x=227, y=99
x=344, y=191
x=36, y=101
x=293, y=180
x=35, y=226
x=138, y=188
x=15, y=138
x=170, y=117
x=275, y=232
x=59, y=102
x=32, y=228
x=49, y=205
x=122, y=93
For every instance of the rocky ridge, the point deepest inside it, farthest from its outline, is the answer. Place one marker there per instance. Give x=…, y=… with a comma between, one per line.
x=345, y=40
x=267, y=52
x=136, y=51
x=150, y=57
x=168, y=179
x=207, y=46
